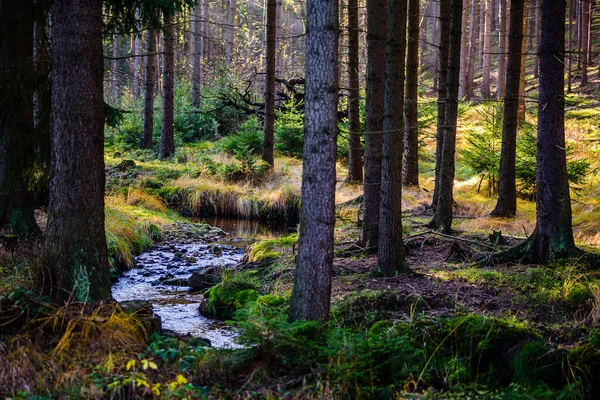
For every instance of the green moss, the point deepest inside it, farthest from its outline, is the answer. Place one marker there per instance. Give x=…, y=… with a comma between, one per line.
x=272, y=248
x=234, y=292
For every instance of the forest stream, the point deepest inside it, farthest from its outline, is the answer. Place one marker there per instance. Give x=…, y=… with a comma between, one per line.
x=161, y=275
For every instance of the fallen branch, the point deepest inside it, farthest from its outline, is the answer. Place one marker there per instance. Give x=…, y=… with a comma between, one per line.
x=432, y=232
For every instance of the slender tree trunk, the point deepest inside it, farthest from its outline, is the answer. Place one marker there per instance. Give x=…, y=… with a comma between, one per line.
x=75, y=239
x=149, y=85
x=442, y=219
x=464, y=51
x=585, y=55
x=487, y=49
x=507, y=192
x=375, y=91
x=167, y=137
x=472, y=48
x=536, y=39
x=230, y=30
x=137, y=49
x=17, y=140
x=437, y=42
x=442, y=74
x=522, y=104
x=312, y=286
x=391, y=248
x=500, y=91
x=411, y=147
x=196, y=55
x=206, y=52
x=355, y=164
x=269, y=125
x=115, y=68
x=570, y=47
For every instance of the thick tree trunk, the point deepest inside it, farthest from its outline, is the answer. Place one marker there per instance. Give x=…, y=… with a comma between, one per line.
x=312, y=286
x=472, y=48
x=500, y=90
x=17, y=139
x=196, y=54
x=507, y=192
x=442, y=219
x=374, y=104
x=76, y=250
x=487, y=49
x=391, y=248
x=269, y=124
x=411, y=148
x=442, y=74
x=355, y=164
x=149, y=85
x=167, y=137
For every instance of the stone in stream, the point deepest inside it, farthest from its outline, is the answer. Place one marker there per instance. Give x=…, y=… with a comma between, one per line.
x=217, y=251
x=176, y=282
x=205, y=278
x=144, y=311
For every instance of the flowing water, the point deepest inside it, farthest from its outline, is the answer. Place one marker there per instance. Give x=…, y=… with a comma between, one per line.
x=161, y=274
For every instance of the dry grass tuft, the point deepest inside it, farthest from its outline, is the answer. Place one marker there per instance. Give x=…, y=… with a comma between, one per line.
x=140, y=198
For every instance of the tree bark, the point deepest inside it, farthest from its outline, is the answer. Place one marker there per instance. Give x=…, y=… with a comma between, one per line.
x=442, y=219
x=17, y=139
x=464, y=52
x=374, y=104
x=167, y=137
x=487, y=49
x=442, y=74
x=137, y=49
x=196, y=55
x=585, y=37
x=312, y=286
x=472, y=48
x=115, y=68
x=500, y=90
x=76, y=251
x=522, y=105
x=411, y=146
x=230, y=30
x=507, y=192
x=355, y=164
x=437, y=41
x=269, y=123
x=391, y=248
x=149, y=85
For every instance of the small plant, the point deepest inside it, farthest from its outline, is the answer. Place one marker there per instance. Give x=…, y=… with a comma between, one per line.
x=289, y=129
x=248, y=139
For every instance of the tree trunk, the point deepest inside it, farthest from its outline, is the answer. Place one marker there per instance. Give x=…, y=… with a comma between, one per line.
x=137, y=49
x=464, y=52
x=570, y=47
x=312, y=286
x=507, y=192
x=522, y=105
x=17, y=140
x=206, y=52
x=536, y=39
x=374, y=105
x=269, y=124
x=391, y=248
x=355, y=164
x=196, y=55
x=487, y=49
x=167, y=139
x=115, y=68
x=149, y=85
x=411, y=162
x=76, y=251
x=500, y=90
x=230, y=30
x=585, y=37
x=442, y=74
x=442, y=219
x=437, y=41
x=472, y=48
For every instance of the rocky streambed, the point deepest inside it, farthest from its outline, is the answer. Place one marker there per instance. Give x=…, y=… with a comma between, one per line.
x=173, y=274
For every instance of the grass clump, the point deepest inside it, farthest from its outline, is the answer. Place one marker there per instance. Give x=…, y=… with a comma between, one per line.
x=234, y=292
x=272, y=248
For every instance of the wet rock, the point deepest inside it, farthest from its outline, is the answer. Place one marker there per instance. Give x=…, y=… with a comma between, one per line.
x=166, y=277
x=217, y=251
x=145, y=312
x=176, y=282
x=205, y=278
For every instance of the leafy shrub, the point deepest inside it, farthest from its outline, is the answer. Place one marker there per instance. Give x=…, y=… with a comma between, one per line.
x=248, y=138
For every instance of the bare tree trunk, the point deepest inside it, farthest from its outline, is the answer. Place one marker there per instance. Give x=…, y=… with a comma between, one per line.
x=570, y=47
x=411, y=162
x=196, y=40
x=355, y=164
x=115, y=69
x=230, y=30
x=375, y=91
x=137, y=49
x=487, y=49
x=149, y=85
x=75, y=239
x=507, y=192
x=269, y=126
x=437, y=42
x=391, y=248
x=312, y=286
x=17, y=144
x=442, y=219
x=585, y=37
x=206, y=52
x=522, y=104
x=464, y=51
x=472, y=48
x=167, y=137
x=442, y=74
x=536, y=39
x=500, y=91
